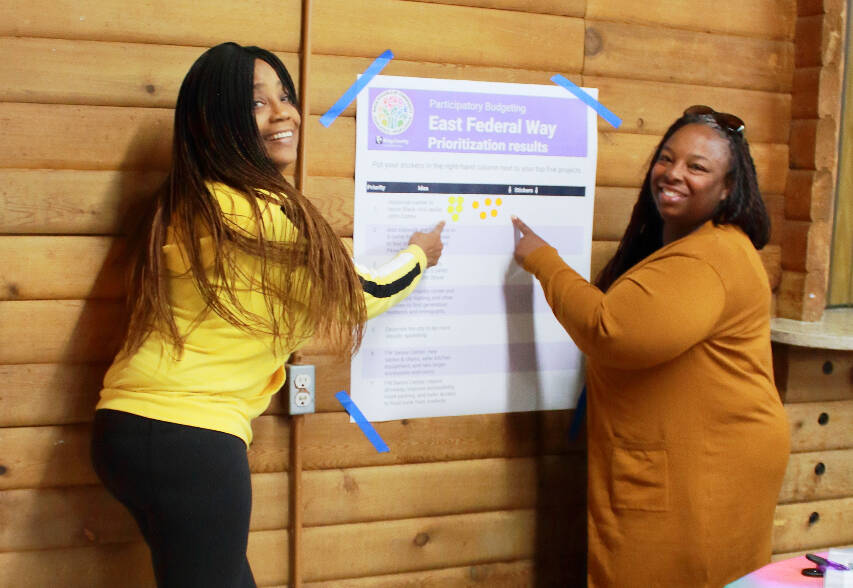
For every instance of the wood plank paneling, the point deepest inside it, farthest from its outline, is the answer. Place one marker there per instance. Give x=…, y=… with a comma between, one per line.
x=332, y=75
x=49, y=394
x=498, y=575
x=812, y=375
x=77, y=516
x=417, y=544
x=60, y=331
x=817, y=426
x=766, y=19
x=65, y=267
x=818, y=475
x=274, y=25
x=92, y=137
x=52, y=456
x=658, y=53
x=651, y=107
x=792, y=529
x=433, y=489
x=456, y=34
x=98, y=73
x=71, y=201
x=560, y=7
x=127, y=564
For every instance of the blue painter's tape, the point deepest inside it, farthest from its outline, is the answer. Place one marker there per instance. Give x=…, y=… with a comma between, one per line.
x=338, y=107
x=597, y=106
x=362, y=422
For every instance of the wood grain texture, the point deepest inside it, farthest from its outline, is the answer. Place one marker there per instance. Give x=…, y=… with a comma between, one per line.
x=58, y=455
x=807, y=432
x=456, y=34
x=498, y=575
x=650, y=107
x=59, y=331
x=59, y=71
x=657, y=53
x=93, y=137
x=332, y=75
x=559, y=7
x=72, y=202
x=77, y=516
x=818, y=475
x=765, y=19
x=812, y=375
x=834, y=526
x=269, y=24
x=418, y=544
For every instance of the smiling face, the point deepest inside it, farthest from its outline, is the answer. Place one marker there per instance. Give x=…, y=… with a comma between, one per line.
x=278, y=119
x=688, y=179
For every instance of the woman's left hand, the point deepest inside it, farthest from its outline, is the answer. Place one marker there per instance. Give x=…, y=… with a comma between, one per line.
x=528, y=243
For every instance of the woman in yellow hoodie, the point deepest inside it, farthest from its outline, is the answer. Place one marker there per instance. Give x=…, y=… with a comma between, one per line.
x=234, y=270
x=687, y=438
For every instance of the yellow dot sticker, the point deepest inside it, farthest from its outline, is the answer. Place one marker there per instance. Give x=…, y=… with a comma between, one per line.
x=450, y=209
x=498, y=202
x=488, y=201
x=483, y=215
x=475, y=204
x=494, y=212
x=455, y=217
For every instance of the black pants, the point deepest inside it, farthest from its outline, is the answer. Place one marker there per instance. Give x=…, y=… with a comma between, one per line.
x=189, y=490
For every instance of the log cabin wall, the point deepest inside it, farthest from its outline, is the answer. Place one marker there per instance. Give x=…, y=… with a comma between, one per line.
x=815, y=127
x=86, y=92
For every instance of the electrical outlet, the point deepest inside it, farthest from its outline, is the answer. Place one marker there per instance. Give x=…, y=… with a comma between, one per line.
x=300, y=388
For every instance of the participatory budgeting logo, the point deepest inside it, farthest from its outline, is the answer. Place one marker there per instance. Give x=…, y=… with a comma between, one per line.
x=393, y=112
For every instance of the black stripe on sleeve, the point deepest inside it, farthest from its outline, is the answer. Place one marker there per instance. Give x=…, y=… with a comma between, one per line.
x=388, y=290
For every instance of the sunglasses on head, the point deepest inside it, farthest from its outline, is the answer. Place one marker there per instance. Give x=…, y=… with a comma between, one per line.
x=727, y=121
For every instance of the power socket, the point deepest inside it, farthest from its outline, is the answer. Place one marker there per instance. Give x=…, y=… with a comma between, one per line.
x=300, y=388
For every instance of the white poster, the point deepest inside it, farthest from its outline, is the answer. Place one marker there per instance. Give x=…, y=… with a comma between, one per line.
x=477, y=335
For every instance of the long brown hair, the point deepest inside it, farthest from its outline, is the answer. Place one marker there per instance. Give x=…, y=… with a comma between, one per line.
x=216, y=139
x=743, y=207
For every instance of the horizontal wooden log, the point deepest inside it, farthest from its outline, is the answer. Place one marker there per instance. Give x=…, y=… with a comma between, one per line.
x=60, y=331
x=456, y=34
x=79, y=202
x=657, y=53
x=77, y=516
x=765, y=19
x=812, y=375
x=559, y=7
x=128, y=564
x=818, y=475
x=92, y=137
x=50, y=393
x=270, y=24
x=53, y=456
x=332, y=75
x=818, y=426
x=805, y=92
x=652, y=106
x=432, y=489
x=418, y=544
x=499, y=575
x=796, y=526
x=60, y=267
x=140, y=139
x=128, y=74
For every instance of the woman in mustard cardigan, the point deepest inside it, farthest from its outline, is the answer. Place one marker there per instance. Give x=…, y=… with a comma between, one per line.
x=688, y=440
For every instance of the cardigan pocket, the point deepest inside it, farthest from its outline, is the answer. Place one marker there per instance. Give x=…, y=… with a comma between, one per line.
x=640, y=479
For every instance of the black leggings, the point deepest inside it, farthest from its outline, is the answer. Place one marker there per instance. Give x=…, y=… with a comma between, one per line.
x=189, y=490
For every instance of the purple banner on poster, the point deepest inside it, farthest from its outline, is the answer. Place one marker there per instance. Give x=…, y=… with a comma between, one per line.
x=466, y=122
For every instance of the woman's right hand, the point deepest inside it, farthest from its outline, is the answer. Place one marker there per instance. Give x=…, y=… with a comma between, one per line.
x=430, y=243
